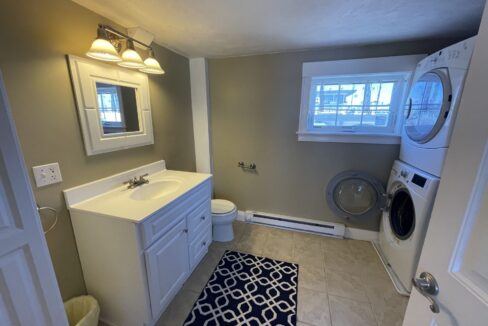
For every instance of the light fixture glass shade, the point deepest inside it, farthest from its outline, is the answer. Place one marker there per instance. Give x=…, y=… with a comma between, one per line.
x=152, y=65
x=102, y=49
x=130, y=57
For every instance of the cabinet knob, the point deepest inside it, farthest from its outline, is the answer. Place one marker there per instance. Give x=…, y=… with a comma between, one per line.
x=203, y=217
x=185, y=230
x=204, y=243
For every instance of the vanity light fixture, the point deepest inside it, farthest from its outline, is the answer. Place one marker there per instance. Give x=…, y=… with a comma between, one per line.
x=108, y=44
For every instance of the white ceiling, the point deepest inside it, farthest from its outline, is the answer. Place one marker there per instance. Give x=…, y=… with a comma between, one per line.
x=219, y=28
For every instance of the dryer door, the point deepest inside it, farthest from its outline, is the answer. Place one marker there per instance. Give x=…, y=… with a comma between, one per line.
x=355, y=194
x=428, y=105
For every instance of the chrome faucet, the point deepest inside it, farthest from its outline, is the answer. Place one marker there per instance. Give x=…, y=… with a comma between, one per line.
x=132, y=183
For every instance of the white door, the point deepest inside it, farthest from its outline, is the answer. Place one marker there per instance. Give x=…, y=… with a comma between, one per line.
x=29, y=294
x=456, y=247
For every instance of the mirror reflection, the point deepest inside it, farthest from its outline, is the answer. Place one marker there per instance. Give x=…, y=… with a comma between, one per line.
x=118, y=108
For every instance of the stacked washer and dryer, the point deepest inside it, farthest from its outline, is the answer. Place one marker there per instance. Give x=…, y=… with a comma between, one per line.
x=406, y=204
x=430, y=114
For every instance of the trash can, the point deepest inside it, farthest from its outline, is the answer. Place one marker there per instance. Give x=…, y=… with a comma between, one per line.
x=82, y=311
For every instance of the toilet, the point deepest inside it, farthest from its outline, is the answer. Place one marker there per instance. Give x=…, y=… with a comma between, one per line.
x=224, y=212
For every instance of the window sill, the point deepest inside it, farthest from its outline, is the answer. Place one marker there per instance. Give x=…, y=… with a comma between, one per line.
x=358, y=138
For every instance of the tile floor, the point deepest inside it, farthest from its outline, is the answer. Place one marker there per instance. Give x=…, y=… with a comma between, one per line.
x=341, y=282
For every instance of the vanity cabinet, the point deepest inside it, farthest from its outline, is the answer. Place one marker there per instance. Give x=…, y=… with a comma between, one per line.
x=135, y=267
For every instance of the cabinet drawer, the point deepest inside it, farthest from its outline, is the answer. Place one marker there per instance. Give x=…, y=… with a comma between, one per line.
x=199, y=246
x=163, y=220
x=199, y=219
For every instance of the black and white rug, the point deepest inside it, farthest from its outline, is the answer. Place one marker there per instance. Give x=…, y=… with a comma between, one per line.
x=248, y=290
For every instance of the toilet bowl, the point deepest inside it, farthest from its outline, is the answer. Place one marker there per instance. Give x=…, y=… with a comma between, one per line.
x=224, y=212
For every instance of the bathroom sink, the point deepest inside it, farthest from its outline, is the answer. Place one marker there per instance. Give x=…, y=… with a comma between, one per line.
x=155, y=189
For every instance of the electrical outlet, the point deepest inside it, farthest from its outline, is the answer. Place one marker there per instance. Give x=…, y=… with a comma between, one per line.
x=47, y=174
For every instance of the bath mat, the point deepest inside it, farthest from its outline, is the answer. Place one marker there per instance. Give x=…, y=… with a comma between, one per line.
x=247, y=290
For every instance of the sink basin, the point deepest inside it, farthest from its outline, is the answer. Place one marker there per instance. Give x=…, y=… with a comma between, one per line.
x=155, y=189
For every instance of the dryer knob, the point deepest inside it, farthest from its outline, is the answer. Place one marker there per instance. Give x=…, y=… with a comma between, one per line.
x=404, y=173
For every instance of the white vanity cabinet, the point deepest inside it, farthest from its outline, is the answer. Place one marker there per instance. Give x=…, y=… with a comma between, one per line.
x=134, y=263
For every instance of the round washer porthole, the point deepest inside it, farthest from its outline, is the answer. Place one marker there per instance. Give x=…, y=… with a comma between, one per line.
x=355, y=194
x=402, y=214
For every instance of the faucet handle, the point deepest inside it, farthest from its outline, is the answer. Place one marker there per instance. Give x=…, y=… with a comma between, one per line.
x=142, y=180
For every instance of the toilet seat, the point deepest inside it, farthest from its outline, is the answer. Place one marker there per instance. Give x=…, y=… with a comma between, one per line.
x=222, y=207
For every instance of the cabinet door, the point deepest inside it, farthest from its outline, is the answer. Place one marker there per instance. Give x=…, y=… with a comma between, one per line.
x=167, y=266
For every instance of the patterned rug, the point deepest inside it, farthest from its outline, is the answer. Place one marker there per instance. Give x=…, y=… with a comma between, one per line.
x=248, y=290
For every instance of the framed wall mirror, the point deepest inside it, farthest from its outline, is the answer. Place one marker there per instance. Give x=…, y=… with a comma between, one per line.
x=113, y=106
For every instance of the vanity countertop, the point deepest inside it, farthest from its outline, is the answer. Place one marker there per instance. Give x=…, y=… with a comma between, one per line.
x=108, y=197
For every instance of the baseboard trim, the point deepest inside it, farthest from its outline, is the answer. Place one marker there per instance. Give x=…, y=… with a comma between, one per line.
x=350, y=233
x=359, y=234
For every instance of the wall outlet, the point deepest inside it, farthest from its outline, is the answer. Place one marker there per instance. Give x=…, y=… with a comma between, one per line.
x=47, y=174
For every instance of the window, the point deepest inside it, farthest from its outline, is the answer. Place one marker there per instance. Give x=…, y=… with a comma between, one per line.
x=354, y=100
x=354, y=103
x=108, y=105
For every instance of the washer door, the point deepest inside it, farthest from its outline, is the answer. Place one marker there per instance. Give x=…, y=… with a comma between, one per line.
x=402, y=214
x=428, y=105
x=355, y=194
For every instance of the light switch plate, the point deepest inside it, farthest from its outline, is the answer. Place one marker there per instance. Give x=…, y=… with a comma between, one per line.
x=47, y=174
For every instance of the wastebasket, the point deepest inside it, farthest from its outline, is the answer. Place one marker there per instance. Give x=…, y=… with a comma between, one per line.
x=82, y=311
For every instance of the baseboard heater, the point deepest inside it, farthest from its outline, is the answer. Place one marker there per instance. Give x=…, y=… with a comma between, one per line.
x=295, y=223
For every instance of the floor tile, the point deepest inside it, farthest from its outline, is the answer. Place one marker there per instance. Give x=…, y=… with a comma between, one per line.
x=179, y=308
x=311, y=277
x=345, y=285
x=313, y=307
x=309, y=258
x=252, y=241
x=337, y=246
x=341, y=260
x=200, y=276
x=306, y=241
x=280, y=248
x=347, y=312
x=239, y=228
x=388, y=306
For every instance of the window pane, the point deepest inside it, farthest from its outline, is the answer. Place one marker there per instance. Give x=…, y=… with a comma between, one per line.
x=354, y=104
x=325, y=117
x=358, y=96
x=386, y=93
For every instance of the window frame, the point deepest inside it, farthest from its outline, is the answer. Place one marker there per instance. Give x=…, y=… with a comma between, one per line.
x=399, y=69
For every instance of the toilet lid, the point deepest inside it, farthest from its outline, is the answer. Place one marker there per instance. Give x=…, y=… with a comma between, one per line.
x=222, y=206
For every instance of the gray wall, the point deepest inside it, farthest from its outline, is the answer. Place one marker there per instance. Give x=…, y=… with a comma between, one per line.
x=255, y=103
x=35, y=36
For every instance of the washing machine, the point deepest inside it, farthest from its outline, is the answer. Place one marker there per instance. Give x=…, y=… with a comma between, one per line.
x=411, y=193
x=432, y=105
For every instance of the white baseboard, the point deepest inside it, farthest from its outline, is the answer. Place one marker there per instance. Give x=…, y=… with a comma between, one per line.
x=359, y=234
x=350, y=233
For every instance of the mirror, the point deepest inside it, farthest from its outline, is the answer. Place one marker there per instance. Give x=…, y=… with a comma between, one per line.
x=117, y=106
x=113, y=106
